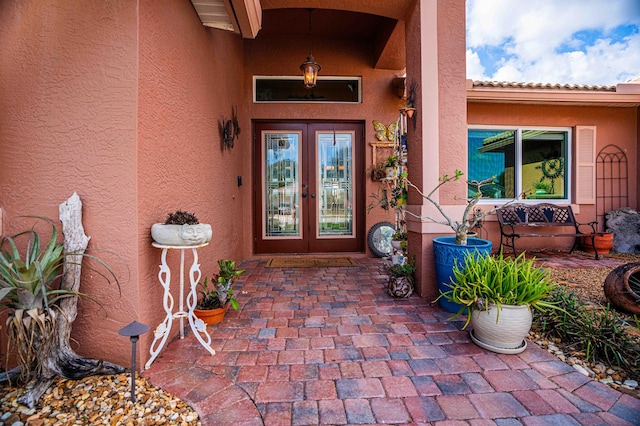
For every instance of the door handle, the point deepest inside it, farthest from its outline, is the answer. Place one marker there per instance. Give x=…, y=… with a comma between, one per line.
x=313, y=195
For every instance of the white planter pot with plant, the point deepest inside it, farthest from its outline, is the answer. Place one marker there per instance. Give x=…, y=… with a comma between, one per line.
x=499, y=293
x=181, y=229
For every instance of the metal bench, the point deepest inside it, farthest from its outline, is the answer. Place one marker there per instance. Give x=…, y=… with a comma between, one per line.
x=541, y=220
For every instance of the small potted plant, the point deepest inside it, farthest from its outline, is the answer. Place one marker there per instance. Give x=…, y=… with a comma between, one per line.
x=181, y=228
x=499, y=294
x=214, y=301
x=391, y=167
x=542, y=187
x=401, y=281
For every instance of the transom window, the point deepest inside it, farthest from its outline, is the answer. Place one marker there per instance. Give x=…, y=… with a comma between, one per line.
x=532, y=162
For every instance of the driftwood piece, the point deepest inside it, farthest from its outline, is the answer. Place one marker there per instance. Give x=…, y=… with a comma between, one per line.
x=61, y=360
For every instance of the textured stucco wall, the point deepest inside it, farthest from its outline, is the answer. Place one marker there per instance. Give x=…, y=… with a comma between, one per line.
x=68, y=123
x=190, y=78
x=436, y=60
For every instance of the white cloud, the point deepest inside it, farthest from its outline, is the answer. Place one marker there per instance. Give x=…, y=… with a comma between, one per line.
x=475, y=70
x=532, y=39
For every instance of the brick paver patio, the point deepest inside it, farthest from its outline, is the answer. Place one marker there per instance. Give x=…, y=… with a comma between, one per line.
x=329, y=346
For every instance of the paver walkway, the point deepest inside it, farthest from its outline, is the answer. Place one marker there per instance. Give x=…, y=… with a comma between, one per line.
x=328, y=346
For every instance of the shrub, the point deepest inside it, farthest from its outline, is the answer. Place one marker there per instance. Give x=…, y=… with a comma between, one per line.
x=597, y=331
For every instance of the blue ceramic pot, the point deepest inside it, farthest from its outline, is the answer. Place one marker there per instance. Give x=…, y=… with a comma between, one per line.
x=446, y=253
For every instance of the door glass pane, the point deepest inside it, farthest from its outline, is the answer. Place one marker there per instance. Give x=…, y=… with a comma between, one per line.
x=335, y=184
x=282, y=184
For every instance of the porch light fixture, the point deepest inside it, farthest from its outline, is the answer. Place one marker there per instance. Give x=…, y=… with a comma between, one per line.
x=310, y=67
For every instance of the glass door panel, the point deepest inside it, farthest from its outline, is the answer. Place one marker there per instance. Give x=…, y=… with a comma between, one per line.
x=335, y=184
x=281, y=167
x=309, y=189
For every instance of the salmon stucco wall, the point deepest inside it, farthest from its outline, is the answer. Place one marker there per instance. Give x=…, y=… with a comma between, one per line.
x=617, y=126
x=68, y=77
x=436, y=60
x=190, y=80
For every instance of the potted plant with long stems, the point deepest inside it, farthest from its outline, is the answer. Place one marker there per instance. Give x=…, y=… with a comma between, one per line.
x=499, y=294
x=213, y=302
x=450, y=250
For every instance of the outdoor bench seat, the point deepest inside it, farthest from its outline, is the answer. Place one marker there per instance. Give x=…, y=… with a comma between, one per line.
x=541, y=220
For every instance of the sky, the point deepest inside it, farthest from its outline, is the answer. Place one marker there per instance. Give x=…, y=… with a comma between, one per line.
x=594, y=42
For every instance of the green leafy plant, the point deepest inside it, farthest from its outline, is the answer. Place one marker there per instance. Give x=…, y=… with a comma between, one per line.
x=485, y=280
x=30, y=290
x=597, y=331
x=544, y=186
x=222, y=292
x=391, y=161
x=180, y=217
x=407, y=269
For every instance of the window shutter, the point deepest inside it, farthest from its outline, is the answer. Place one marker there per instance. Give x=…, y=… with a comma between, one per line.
x=585, y=165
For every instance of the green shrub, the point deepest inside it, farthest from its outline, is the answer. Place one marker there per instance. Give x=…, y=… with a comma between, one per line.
x=597, y=331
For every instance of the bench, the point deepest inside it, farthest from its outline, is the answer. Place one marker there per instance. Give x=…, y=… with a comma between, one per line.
x=541, y=220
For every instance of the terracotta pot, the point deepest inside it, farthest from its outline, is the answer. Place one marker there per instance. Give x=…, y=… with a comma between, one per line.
x=210, y=316
x=602, y=240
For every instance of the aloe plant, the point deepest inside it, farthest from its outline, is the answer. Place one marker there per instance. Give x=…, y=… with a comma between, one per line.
x=486, y=280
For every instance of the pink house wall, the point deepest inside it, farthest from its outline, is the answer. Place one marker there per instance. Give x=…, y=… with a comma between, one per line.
x=121, y=102
x=68, y=78
x=618, y=126
x=189, y=81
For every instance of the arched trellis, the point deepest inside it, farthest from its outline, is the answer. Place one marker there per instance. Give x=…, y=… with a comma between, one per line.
x=612, y=182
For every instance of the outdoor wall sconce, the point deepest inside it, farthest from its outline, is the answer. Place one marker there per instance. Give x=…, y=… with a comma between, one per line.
x=230, y=129
x=399, y=87
x=310, y=67
x=133, y=331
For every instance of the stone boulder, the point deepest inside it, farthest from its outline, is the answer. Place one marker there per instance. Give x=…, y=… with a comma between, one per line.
x=625, y=225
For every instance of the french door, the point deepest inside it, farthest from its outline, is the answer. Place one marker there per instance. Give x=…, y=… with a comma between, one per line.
x=309, y=187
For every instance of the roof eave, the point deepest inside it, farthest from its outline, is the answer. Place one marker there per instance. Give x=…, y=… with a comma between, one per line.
x=552, y=96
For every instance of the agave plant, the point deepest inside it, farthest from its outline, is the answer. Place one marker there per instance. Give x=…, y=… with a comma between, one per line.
x=29, y=292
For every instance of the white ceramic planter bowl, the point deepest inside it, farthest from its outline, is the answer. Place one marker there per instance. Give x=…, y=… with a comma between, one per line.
x=181, y=235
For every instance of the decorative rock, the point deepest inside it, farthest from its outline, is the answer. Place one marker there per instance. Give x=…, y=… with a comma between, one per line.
x=624, y=224
x=580, y=369
x=67, y=401
x=630, y=383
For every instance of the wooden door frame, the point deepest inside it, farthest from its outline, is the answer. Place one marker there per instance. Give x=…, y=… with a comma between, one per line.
x=359, y=215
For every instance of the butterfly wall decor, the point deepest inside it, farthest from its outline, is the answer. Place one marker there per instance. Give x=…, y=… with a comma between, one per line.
x=385, y=133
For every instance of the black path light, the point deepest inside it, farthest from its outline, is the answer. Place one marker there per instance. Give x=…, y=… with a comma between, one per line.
x=133, y=331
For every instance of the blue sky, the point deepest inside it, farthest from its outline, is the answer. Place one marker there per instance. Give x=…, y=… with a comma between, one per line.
x=554, y=41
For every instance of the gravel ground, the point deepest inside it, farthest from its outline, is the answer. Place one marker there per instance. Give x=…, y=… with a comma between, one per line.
x=106, y=399
x=98, y=400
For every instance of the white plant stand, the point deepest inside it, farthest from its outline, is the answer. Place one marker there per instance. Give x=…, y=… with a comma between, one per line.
x=163, y=329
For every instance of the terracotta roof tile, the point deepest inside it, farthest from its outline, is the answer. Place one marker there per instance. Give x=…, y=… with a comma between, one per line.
x=543, y=86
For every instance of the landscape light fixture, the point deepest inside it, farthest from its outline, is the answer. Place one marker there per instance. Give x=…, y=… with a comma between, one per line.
x=133, y=331
x=310, y=67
